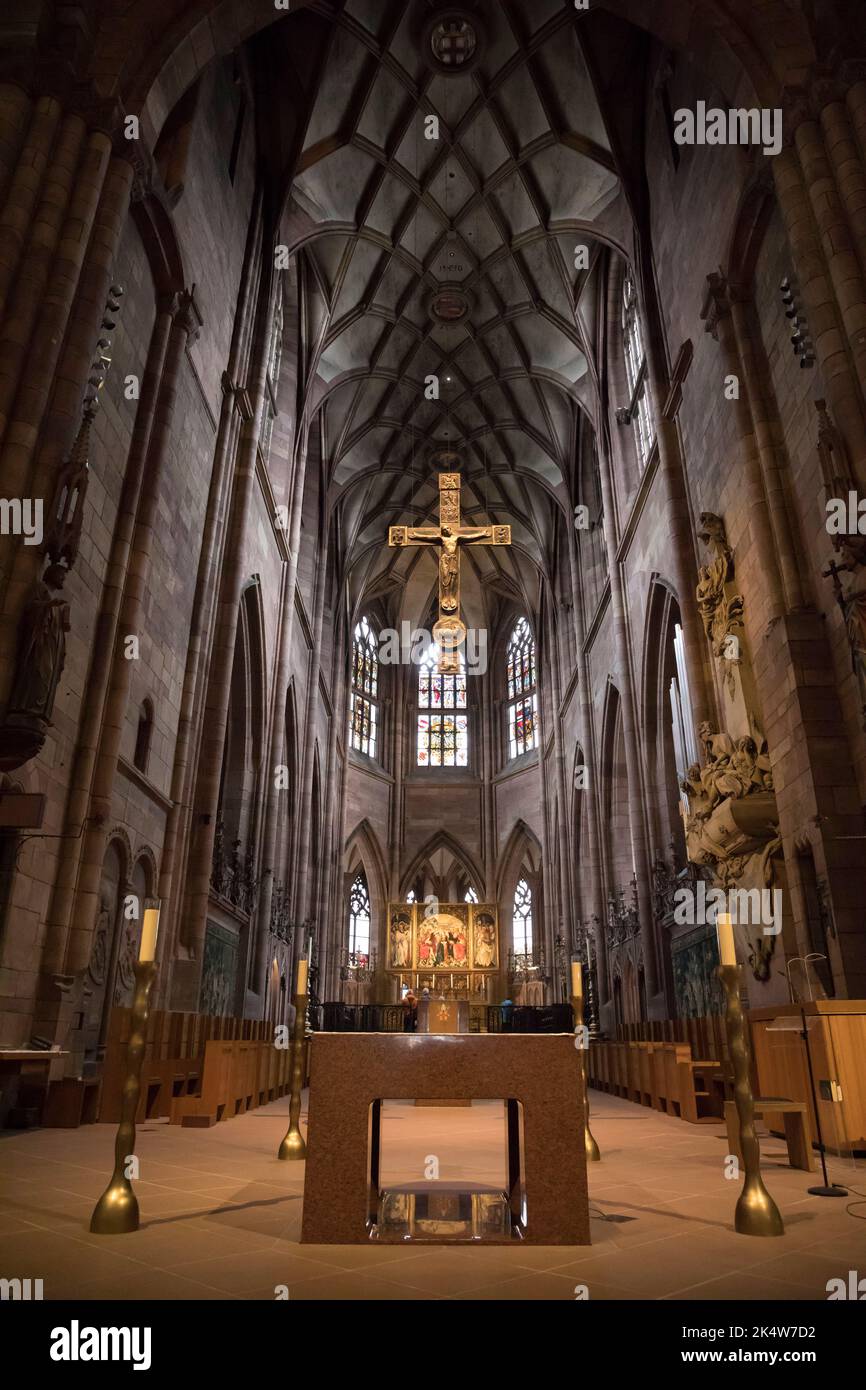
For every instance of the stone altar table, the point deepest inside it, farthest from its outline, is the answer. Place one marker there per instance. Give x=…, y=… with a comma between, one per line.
x=536, y=1075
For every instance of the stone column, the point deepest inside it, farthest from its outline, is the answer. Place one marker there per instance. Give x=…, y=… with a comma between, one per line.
x=305, y=884
x=637, y=817
x=104, y=647
x=718, y=322
x=665, y=401
x=843, y=391
x=275, y=798
x=753, y=376
x=45, y=342
x=848, y=166
x=26, y=183
x=565, y=887
x=397, y=698
x=33, y=272
x=330, y=915
x=186, y=322
x=185, y=980
x=189, y=730
x=595, y=906
x=836, y=240
x=15, y=111
x=42, y=356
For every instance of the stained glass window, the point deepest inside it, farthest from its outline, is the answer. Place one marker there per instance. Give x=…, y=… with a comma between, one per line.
x=635, y=366
x=521, y=675
x=443, y=732
x=521, y=919
x=363, y=709
x=470, y=896
x=359, y=921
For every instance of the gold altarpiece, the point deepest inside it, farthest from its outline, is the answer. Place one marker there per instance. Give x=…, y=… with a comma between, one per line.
x=454, y=950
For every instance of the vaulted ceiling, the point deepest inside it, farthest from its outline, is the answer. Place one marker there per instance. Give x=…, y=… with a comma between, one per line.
x=452, y=258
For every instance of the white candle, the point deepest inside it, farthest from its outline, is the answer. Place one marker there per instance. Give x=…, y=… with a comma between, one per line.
x=149, y=934
x=576, y=980
x=727, y=947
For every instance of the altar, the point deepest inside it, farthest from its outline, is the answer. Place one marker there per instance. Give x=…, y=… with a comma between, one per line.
x=443, y=1016
x=537, y=1078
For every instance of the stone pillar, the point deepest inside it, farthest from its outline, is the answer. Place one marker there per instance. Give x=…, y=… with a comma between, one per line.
x=103, y=651
x=33, y=273
x=274, y=798
x=753, y=376
x=843, y=392
x=186, y=322
x=634, y=763
x=185, y=979
x=665, y=400
x=42, y=356
x=330, y=914
x=171, y=889
x=45, y=342
x=836, y=240
x=718, y=322
x=305, y=884
x=848, y=170
x=15, y=111
x=588, y=794
x=565, y=888
x=397, y=700
x=26, y=182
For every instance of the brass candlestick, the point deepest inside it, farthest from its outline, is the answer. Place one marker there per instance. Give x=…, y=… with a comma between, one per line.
x=116, y=1212
x=293, y=1145
x=757, y=1213
x=593, y=1152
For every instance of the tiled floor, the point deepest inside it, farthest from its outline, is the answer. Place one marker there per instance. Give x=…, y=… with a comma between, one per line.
x=221, y=1217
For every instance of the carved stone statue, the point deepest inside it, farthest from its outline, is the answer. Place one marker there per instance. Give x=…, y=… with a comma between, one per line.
x=720, y=615
x=732, y=827
x=42, y=651
x=852, y=601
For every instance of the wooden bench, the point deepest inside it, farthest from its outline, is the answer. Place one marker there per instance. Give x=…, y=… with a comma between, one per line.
x=663, y=1075
x=798, y=1134
x=236, y=1076
x=25, y=1075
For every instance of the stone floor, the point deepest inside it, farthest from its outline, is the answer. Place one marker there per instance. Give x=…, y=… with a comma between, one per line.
x=221, y=1217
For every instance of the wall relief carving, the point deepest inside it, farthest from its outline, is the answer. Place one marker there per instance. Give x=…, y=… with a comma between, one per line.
x=731, y=821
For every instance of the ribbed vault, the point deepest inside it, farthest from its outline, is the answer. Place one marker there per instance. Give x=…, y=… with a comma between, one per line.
x=448, y=265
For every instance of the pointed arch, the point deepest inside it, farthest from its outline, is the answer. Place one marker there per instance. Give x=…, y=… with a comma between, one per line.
x=363, y=851
x=421, y=866
x=616, y=818
x=666, y=714
x=521, y=849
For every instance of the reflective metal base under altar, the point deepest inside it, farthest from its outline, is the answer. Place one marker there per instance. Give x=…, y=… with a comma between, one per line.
x=426, y=1211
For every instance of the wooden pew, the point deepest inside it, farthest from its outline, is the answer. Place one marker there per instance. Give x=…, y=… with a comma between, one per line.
x=663, y=1075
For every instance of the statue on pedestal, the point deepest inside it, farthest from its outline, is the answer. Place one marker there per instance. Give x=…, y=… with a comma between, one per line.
x=42, y=652
x=39, y=665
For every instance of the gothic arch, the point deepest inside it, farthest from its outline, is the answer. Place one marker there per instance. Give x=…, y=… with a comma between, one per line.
x=658, y=667
x=363, y=851
x=145, y=855
x=442, y=840
x=615, y=814
x=243, y=751
x=522, y=850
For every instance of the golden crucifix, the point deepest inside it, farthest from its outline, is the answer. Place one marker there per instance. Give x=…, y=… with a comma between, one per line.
x=449, y=632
